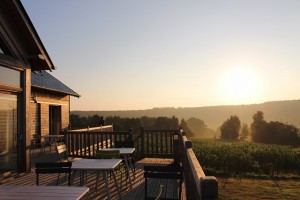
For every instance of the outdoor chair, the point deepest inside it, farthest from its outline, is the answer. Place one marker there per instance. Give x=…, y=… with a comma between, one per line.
x=53, y=168
x=62, y=153
x=128, y=144
x=109, y=154
x=163, y=172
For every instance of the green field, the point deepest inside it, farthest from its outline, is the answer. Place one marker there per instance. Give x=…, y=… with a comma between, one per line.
x=250, y=171
x=244, y=158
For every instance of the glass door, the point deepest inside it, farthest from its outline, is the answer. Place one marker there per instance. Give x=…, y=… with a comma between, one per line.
x=8, y=132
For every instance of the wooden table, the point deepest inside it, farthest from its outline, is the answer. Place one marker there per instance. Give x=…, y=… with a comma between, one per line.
x=126, y=152
x=104, y=165
x=29, y=192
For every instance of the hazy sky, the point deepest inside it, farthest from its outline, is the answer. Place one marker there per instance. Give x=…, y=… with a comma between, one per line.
x=167, y=53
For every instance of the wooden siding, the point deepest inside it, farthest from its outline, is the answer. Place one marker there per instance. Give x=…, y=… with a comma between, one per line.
x=35, y=122
x=44, y=100
x=44, y=119
x=65, y=116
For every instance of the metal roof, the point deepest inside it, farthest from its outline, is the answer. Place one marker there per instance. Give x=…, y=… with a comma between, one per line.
x=45, y=80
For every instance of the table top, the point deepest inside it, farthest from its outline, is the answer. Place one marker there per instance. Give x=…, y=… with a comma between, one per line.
x=31, y=192
x=122, y=150
x=96, y=164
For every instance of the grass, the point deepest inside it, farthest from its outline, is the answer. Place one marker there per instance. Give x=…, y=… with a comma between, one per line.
x=251, y=189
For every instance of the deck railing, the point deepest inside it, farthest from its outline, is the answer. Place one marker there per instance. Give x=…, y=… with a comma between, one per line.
x=84, y=144
x=155, y=144
x=96, y=128
x=197, y=184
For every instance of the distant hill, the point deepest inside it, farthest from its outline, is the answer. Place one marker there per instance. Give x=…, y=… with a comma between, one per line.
x=213, y=116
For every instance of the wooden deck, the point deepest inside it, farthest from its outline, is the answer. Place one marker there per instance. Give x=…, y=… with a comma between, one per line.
x=137, y=192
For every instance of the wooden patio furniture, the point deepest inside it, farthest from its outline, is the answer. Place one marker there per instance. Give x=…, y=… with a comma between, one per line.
x=53, y=168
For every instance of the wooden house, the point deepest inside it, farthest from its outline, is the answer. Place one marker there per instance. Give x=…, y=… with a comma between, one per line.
x=50, y=104
x=22, y=57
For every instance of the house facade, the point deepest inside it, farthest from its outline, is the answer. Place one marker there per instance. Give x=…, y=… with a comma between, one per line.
x=22, y=54
x=49, y=105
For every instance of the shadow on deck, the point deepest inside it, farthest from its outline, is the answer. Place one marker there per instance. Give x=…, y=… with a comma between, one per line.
x=136, y=192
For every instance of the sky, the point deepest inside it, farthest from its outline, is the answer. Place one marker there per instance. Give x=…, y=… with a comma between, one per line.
x=130, y=55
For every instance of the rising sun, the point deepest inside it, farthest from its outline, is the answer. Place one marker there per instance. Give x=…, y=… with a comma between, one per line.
x=240, y=85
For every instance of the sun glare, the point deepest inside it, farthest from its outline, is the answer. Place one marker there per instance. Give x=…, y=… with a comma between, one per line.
x=240, y=86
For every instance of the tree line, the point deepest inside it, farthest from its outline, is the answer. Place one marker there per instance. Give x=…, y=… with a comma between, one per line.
x=121, y=123
x=261, y=131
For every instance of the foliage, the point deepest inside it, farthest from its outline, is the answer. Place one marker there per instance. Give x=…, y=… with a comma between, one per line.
x=121, y=124
x=274, y=132
x=259, y=129
x=84, y=122
x=184, y=126
x=244, y=132
x=199, y=128
x=230, y=128
x=245, y=157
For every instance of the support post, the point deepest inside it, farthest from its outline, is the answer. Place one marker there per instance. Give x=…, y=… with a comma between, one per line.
x=209, y=187
x=142, y=143
x=176, y=148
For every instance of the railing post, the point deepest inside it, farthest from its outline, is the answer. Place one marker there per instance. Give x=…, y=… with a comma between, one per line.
x=209, y=187
x=130, y=136
x=176, y=147
x=186, y=171
x=142, y=143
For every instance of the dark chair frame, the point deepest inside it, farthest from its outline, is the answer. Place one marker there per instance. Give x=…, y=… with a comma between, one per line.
x=163, y=172
x=53, y=168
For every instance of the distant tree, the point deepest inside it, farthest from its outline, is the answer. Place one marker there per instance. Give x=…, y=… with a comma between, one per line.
x=166, y=123
x=148, y=122
x=133, y=123
x=259, y=128
x=199, y=128
x=197, y=125
x=185, y=128
x=94, y=121
x=117, y=122
x=245, y=132
x=283, y=134
x=230, y=128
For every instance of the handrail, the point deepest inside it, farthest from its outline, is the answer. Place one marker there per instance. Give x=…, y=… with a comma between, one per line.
x=197, y=184
x=97, y=128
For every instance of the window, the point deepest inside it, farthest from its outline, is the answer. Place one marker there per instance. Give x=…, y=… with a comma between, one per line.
x=10, y=77
x=8, y=132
